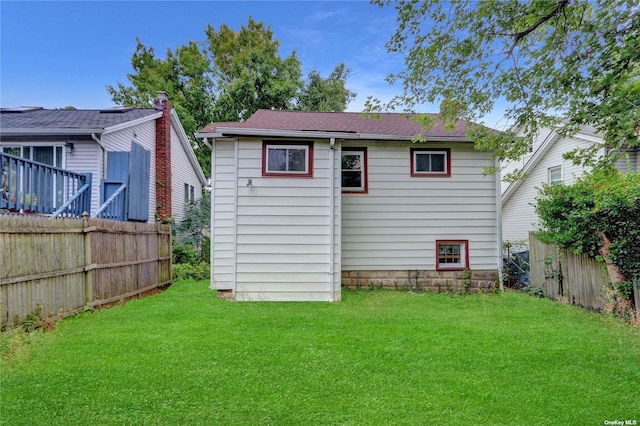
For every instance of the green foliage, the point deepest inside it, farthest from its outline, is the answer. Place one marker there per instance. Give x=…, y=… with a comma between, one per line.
x=193, y=231
x=227, y=77
x=330, y=94
x=191, y=271
x=249, y=72
x=533, y=291
x=557, y=63
x=604, y=202
x=185, y=74
x=184, y=253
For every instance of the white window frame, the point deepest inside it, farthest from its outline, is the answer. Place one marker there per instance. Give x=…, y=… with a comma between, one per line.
x=362, y=153
x=189, y=193
x=463, y=248
x=308, y=149
x=555, y=170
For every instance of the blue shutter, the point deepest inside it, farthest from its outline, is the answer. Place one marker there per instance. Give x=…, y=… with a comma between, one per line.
x=139, y=175
x=117, y=174
x=117, y=166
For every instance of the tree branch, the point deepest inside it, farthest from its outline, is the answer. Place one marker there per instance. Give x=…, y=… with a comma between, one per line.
x=522, y=34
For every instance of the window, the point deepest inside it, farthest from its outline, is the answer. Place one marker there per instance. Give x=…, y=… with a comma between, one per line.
x=554, y=175
x=452, y=254
x=430, y=162
x=51, y=155
x=354, y=170
x=189, y=193
x=293, y=159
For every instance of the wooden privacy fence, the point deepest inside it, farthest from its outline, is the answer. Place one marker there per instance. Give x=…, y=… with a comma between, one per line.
x=582, y=282
x=66, y=264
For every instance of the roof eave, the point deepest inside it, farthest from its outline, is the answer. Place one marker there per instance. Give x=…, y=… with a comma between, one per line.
x=316, y=134
x=531, y=163
x=130, y=123
x=182, y=135
x=49, y=131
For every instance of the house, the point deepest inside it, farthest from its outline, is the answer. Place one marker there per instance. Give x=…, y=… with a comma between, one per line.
x=140, y=157
x=545, y=164
x=303, y=202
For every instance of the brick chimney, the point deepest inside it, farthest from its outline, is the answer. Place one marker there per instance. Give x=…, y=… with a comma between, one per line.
x=163, y=157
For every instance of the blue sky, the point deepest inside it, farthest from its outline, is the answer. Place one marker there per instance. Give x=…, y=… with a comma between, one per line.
x=59, y=53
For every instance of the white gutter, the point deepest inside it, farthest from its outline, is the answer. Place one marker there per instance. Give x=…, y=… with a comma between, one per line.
x=332, y=202
x=235, y=216
x=97, y=137
x=131, y=123
x=212, y=219
x=49, y=132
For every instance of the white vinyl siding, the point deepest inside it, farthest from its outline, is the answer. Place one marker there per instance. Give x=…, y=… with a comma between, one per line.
x=397, y=224
x=84, y=159
x=182, y=172
x=510, y=166
x=145, y=135
x=223, y=237
x=518, y=212
x=281, y=225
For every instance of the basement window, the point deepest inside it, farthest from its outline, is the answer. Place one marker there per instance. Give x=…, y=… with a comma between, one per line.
x=290, y=159
x=452, y=254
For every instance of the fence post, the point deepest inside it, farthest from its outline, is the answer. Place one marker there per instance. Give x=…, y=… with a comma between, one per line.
x=86, y=199
x=88, y=260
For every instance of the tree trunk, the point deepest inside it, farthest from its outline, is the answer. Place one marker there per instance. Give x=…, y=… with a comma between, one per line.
x=614, y=272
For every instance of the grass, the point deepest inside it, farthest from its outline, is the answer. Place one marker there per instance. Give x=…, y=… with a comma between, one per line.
x=185, y=357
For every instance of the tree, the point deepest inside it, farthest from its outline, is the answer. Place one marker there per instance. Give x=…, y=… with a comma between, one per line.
x=249, y=72
x=598, y=215
x=194, y=225
x=228, y=77
x=556, y=63
x=328, y=94
x=185, y=75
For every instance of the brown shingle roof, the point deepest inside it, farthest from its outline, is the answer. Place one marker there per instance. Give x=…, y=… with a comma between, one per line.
x=389, y=124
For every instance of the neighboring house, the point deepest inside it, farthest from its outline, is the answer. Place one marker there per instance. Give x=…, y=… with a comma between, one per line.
x=545, y=165
x=144, y=150
x=303, y=202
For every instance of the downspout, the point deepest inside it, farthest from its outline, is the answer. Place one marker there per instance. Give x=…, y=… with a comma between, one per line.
x=96, y=137
x=332, y=155
x=98, y=140
x=212, y=219
x=499, y=222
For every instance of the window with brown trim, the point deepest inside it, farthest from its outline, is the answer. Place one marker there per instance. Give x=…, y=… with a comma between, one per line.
x=452, y=254
x=354, y=170
x=290, y=159
x=430, y=162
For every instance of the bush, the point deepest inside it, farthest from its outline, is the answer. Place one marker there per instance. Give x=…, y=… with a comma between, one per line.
x=603, y=203
x=195, y=271
x=184, y=253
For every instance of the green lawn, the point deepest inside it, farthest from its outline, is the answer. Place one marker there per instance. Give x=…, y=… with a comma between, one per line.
x=185, y=357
